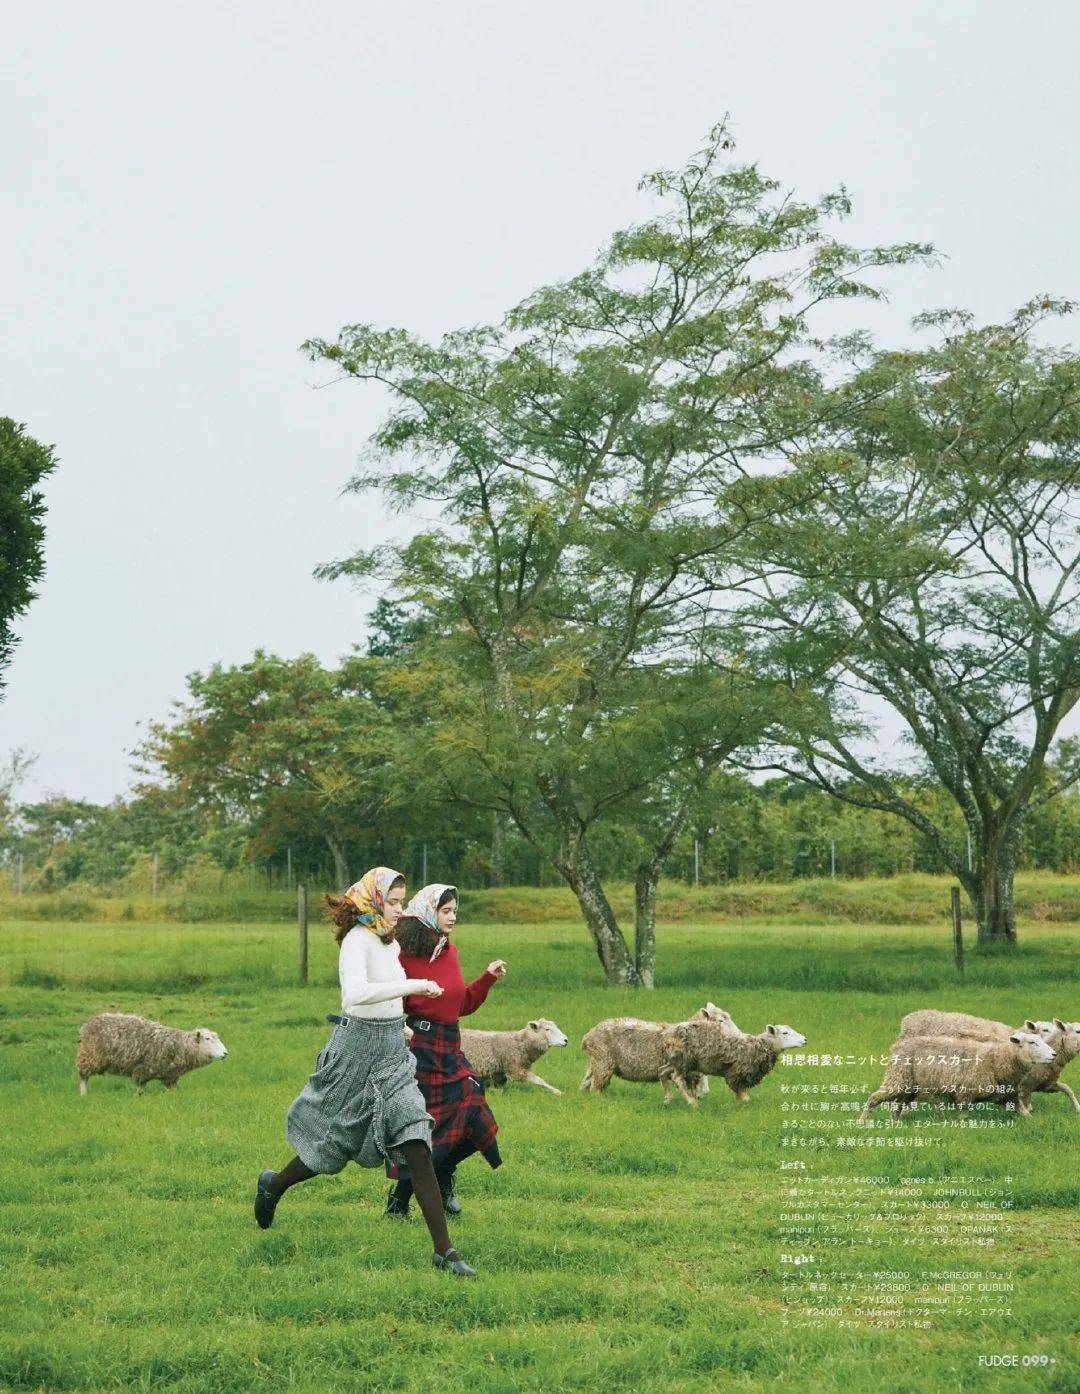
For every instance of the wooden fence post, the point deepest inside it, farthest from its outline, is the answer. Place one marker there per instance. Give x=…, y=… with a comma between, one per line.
x=301, y=917
x=957, y=930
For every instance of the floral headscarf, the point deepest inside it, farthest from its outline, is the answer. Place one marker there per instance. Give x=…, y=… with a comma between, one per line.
x=424, y=907
x=369, y=895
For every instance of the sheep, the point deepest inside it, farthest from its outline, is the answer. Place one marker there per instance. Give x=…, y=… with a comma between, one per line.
x=711, y=1048
x=497, y=1056
x=961, y=1068
x=1063, y=1038
x=119, y=1043
x=934, y=1023
x=632, y=1049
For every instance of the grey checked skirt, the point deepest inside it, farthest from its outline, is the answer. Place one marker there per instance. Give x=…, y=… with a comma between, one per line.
x=362, y=1102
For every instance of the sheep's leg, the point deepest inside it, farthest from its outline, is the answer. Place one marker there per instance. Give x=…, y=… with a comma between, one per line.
x=531, y=1078
x=1061, y=1088
x=597, y=1077
x=743, y=1095
x=680, y=1084
x=83, y=1085
x=701, y=1086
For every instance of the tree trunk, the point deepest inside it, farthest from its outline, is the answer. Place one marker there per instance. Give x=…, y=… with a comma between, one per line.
x=611, y=948
x=994, y=902
x=645, y=883
x=574, y=863
x=341, y=866
x=645, y=923
x=990, y=887
x=498, y=837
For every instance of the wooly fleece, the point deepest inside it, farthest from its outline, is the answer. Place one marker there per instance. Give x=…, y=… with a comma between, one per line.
x=120, y=1043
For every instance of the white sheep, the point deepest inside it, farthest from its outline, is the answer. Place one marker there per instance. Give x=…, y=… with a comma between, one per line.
x=1063, y=1038
x=626, y=1047
x=120, y=1043
x=960, y=1069
x=497, y=1056
x=711, y=1048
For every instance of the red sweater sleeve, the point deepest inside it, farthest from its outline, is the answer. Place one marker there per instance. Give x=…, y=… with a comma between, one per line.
x=476, y=993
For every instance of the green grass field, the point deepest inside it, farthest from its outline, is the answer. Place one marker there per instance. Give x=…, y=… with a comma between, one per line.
x=623, y=1246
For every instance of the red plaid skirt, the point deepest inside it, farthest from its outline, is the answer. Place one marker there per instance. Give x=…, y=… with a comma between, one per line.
x=453, y=1093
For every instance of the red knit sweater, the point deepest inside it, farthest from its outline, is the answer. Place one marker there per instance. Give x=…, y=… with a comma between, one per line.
x=457, y=1000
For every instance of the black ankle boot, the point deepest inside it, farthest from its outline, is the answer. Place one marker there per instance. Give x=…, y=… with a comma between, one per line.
x=451, y=1204
x=396, y=1208
x=265, y=1203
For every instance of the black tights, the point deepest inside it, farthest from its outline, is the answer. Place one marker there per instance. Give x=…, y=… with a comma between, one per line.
x=444, y=1172
x=424, y=1184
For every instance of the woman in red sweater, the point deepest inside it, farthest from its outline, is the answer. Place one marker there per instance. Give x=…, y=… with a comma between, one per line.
x=455, y=1098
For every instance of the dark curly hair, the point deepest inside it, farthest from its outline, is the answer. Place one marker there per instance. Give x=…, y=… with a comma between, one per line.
x=343, y=914
x=417, y=939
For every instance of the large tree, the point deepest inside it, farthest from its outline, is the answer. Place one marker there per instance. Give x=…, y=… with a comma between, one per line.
x=927, y=562
x=573, y=458
x=286, y=746
x=24, y=463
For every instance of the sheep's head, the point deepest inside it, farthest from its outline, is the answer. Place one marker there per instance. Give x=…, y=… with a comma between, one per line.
x=210, y=1044
x=1063, y=1037
x=786, y=1037
x=1067, y=1045
x=711, y=1012
x=1033, y=1044
x=550, y=1033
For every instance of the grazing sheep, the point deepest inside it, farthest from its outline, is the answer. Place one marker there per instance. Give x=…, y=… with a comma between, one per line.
x=962, y=1069
x=1062, y=1037
x=119, y=1043
x=632, y=1049
x=711, y=1048
x=497, y=1056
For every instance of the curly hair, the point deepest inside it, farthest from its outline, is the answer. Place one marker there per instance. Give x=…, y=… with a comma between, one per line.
x=417, y=939
x=343, y=914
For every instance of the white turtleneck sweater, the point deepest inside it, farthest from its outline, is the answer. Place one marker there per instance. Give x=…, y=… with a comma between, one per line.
x=373, y=982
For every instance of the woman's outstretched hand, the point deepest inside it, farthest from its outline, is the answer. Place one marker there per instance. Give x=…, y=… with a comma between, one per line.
x=497, y=969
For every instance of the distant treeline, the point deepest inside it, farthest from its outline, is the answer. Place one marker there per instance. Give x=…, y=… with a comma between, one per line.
x=777, y=831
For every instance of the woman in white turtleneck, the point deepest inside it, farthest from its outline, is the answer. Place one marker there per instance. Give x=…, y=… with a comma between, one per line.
x=362, y=1102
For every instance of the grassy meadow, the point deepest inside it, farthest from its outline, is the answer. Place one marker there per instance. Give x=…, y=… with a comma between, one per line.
x=622, y=1246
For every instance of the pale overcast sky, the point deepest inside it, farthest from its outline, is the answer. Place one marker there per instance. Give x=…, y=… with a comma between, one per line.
x=189, y=191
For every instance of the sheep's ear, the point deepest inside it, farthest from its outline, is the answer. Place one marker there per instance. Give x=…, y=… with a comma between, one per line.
x=772, y=1030
x=198, y=1035
x=1059, y=1024
x=1030, y=1026
x=535, y=1025
x=710, y=1006
x=1016, y=1038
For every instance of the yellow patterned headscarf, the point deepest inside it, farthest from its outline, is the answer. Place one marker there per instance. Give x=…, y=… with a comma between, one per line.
x=369, y=896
